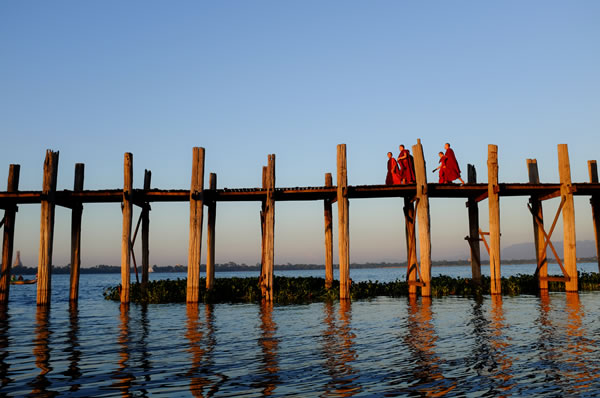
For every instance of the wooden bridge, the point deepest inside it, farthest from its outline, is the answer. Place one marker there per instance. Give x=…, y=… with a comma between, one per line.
x=416, y=210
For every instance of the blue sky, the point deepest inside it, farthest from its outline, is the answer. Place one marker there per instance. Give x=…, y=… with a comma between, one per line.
x=245, y=79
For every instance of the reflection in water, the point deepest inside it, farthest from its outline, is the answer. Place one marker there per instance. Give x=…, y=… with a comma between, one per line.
x=578, y=348
x=4, y=346
x=201, y=346
x=123, y=374
x=548, y=343
x=41, y=351
x=502, y=371
x=143, y=347
x=73, y=371
x=339, y=351
x=268, y=344
x=421, y=339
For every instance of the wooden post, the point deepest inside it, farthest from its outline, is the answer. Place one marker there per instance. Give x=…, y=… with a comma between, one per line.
x=9, y=235
x=126, y=235
x=196, y=209
x=538, y=226
x=595, y=202
x=210, y=235
x=146, y=231
x=76, y=213
x=343, y=222
x=263, y=207
x=44, y=284
x=269, y=233
x=327, y=210
x=494, y=220
x=566, y=191
x=411, y=245
x=423, y=218
x=473, y=208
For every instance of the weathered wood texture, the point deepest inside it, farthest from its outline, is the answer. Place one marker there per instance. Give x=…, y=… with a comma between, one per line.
x=263, y=206
x=146, y=231
x=44, y=283
x=76, y=213
x=411, y=245
x=595, y=203
x=127, y=206
x=210, y=235
x=423, y=218
x=196, y=213
x=473, y=238
x=328, y=214
x=269, y=233
x=538, y=226
x=494, y=219
x=343, y=222
x=566, y=191
x=8, y=235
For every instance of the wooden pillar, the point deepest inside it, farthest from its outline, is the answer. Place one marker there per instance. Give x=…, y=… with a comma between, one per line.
x=595, y=202
x=566, y=192
x=538, y=226
x=146, y=231
x=327, y=210
x=494, y=220
x=126, y=235
x=473, y=208
x=423, y=218
x=210, y=235
x=44, y=282
x=269, y=233
x=8, y=235
x=196, y=209
x=411, y=244
x=76, y=213
x=343, y=222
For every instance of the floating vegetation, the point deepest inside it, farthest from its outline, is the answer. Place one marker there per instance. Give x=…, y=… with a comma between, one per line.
x=291, y=290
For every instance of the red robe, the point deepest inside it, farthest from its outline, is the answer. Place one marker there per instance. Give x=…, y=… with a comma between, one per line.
x=443, y=179
x=452, y=169
x=407, y=167
x=393, y=174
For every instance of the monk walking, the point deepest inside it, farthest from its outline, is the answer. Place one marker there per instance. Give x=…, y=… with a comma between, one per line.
x=407, y=166
x=393, y=172
x=452, y=170
x=442, y=168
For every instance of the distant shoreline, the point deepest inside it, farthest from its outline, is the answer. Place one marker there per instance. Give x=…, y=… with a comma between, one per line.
x=234, y=267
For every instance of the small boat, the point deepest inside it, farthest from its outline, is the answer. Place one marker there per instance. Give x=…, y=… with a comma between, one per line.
x=24, y=282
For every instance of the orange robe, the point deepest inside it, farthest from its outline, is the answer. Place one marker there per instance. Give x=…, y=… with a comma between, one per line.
x=393, y=173
x=452, y=169
x=407, y=167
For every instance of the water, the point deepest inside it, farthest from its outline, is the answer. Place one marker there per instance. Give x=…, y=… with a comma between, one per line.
x=382, y=347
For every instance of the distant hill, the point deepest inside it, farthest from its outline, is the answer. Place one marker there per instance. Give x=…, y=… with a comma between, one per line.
x=585, y=248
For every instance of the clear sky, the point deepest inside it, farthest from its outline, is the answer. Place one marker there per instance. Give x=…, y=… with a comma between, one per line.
x=248, y=78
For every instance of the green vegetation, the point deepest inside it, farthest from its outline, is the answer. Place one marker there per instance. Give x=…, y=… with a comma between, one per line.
x=310, y=289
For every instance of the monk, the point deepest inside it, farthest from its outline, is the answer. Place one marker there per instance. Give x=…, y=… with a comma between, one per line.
x=407, y=166
x=442, y=168
x=393, y=174
x=452, y=169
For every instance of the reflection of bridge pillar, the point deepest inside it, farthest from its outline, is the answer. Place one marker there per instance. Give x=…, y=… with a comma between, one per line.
x=269, y=345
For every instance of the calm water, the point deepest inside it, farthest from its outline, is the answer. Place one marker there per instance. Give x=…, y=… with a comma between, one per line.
x=383, y=347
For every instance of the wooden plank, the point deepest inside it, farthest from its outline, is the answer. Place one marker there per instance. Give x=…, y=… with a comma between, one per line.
x=538, y=226
x=423, y=218
x=411, y=246
x=44, y=283
x=196, y=213
x=343, y=222
x=127, y=206
x=8, y=235
x=146, y=231
x=76, y=214
x=210, y=236
x=269, y=231
x=595, y=203
x=494, y=220
x=473, y=238
x=328, y=215
x=570, y=255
